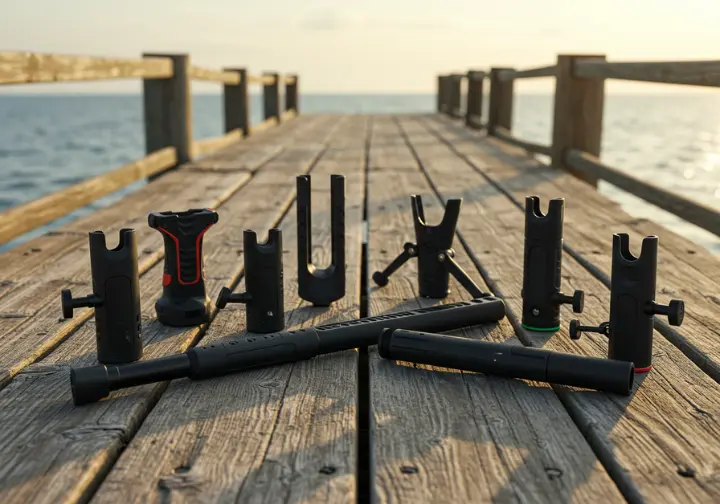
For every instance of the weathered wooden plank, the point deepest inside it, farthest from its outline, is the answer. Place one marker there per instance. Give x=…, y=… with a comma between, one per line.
x=208, y=74
x=440, y=435
x=54, y=452
x=505, y=135
x=24, y=67
x=693, y=73
x=36, y=329
x=545, y=71
x=662, y=444
x=208, y=145
x=28, y=216
x=697, y=213
x=282, y=434
x=261, y=79
x=685, y=271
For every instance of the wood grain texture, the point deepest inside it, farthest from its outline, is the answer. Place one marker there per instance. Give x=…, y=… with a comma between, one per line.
x=61, y=260
x=662, y=444
x=440, y=435
x=28, y=216
x=211, y=75
x=693, y=73
x=54, y=452
x=578, y=112
x=506, y=136
x=544, y=71
x=261, y=79
x=236, y=103
x=280, y=434
x=167, y=109
x=25, y=67
x=207, y=145
x=501, y=101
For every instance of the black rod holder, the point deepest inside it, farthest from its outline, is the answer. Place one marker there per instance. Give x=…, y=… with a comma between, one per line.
x=90, y=384
x=632, y=304
x=184, y=301
x=543, y=266
x=509, y=361
x=433, y=249
x=116, y=298
x=321, y=286
x=263, y=283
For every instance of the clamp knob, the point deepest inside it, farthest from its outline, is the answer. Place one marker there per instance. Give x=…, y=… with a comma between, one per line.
x=69, y=303
x=675, y=311
x=576, y=329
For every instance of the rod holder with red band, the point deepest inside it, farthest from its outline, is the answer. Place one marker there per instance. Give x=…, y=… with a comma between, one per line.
x=115, y=297
x=632, y=304
x=184, y=301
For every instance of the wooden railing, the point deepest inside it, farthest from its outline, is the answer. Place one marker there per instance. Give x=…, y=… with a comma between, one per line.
x=168, y=119
x=578, y=117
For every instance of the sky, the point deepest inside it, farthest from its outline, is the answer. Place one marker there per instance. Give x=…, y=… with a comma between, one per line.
x=392, y=46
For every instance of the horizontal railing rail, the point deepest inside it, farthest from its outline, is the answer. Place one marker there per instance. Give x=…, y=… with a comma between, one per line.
x=167, y=112
x=578, y=116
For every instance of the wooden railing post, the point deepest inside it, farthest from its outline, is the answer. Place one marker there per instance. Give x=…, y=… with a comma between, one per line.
x=237, y=104
x=168, y=109
x=577, y=123
x=473, y=107
x=291, y=95
x=271, y=96
x=440, y=93
x=455, y=84
x=445, y=95
x=501, y=101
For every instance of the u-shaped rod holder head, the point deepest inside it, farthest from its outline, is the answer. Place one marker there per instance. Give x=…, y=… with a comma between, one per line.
x=433, y=249
x=632, y=304
x=543, y=267
x=263, y=294
x=115, y=297
x=321, y=286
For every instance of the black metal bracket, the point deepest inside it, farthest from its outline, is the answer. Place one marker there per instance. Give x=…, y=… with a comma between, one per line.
x=116, y=298
x=435, y=254
x=263, y=283
x=632, y=304
x=321, y=286
x=542, y=267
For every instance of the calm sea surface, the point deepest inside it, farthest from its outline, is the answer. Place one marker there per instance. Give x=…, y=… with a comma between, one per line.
x=49, y=142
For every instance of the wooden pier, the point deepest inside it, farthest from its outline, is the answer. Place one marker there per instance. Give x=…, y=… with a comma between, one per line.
x=351, y=427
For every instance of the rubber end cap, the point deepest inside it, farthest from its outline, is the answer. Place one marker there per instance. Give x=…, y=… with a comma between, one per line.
x=384, y=343
x=89, y=384
x=67, y=306
x=380, y=279
x=676, y=312
x=575, y=331
x=223, y=298
x=578, y=302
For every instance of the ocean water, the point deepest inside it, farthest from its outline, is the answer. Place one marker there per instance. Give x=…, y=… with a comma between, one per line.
x=48, y=142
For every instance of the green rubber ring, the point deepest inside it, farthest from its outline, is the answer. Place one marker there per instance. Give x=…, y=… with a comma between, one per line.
x=541, y=329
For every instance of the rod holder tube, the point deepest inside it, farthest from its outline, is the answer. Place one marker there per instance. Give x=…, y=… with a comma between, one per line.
x=243, y=353
x=509, y=361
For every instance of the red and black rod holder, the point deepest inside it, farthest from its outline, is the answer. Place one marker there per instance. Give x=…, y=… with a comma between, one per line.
x=632, y=304
x=543, y=266
x=321, y=286
x=115, y=297
x=433, y=249
x=184, y=301
x=263, y=294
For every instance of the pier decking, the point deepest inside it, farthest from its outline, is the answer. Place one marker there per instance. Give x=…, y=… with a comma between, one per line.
x=351, y=426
